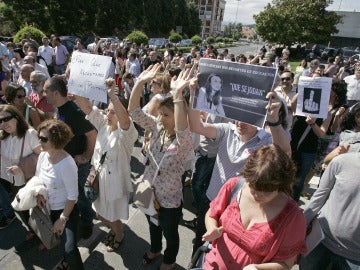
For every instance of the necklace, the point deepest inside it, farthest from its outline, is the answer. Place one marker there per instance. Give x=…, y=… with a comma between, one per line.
x=165, y=139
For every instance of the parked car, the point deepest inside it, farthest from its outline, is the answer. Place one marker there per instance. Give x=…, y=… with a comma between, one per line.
x=329, y=52
x=68, y=42
x=185, y=42
x=347, y=53
x=157, y=42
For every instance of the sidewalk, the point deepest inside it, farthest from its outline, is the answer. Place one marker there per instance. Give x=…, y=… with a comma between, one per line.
x=17, y=254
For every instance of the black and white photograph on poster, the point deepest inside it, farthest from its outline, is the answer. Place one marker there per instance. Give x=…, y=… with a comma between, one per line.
x=314, y=95
x=234, y=90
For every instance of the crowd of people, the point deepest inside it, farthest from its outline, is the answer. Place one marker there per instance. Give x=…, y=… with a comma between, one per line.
x=261, y=227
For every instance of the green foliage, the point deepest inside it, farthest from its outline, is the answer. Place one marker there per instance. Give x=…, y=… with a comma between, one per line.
x=233, y=30
x=293, y=21
x=219, y=39
x=175, y=37
x=137, y=37
x=210, y=40
x=101, y=17
x=35, y=33
x=196, y=40
x=226, y=40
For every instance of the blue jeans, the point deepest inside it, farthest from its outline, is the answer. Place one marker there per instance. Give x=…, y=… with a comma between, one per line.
x=169, y=219
x=201, y=177
x=68, y=238
x=60, y=69
x=5, y=205
x=86, y=212
x=306, y=162
x=321, y=257
x=200, y=182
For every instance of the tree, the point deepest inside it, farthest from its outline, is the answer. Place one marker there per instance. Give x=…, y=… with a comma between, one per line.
x=196, y=40
x=210, y=40
x=35, y=33
x=175, y=37
x=137, y=37
x=233, y=30
x=293, y=21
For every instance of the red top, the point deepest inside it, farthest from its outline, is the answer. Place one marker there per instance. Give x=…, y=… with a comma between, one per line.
x=274, y=241
x=41, y=104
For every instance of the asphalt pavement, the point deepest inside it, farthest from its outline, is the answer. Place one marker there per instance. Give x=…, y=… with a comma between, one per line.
x=18, y=254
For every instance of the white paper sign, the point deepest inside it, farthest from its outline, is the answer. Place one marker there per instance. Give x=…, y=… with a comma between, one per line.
x=88, y=74
x=314, y=95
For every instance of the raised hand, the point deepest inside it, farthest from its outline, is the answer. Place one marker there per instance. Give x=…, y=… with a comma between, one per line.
x=273, y=107
x=147, y=75
x=180, y=82
x=110, y=83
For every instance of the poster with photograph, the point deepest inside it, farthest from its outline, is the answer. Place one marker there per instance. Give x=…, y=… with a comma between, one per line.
x=88, y=74
x=234, y=90
x=314, y=95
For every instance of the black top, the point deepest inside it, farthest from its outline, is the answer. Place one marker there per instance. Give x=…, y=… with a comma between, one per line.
x=75, y=118
x=310, y=143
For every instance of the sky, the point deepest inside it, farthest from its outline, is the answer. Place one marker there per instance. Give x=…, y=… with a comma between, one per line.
x=243, y=10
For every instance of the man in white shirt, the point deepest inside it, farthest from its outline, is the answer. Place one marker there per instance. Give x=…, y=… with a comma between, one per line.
x=353, y=86
x=47, y=52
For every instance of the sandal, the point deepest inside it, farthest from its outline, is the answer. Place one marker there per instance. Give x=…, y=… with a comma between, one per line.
x=114, y=245
x=109, y=238
x=62, y=266
x=147, y=260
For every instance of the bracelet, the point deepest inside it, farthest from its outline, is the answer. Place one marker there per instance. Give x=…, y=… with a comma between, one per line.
x=64, y=218
x=312, y=124
x=272, y=124
x=178, y=100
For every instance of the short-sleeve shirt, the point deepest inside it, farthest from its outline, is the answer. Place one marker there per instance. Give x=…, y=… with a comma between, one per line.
x=276, y=240
x=75, y=118
x=61, y=54
x=232, y=154
x=10, y=153
x=353, y=87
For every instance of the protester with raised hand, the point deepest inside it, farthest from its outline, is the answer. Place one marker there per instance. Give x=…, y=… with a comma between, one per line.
x=170, y=144
x=236, y=142
x=116, y=137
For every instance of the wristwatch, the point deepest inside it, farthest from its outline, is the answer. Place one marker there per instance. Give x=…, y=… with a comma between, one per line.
x=63, y=217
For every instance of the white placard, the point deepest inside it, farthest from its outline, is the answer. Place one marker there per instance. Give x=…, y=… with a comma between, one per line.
x=314, y=95
x=88, y=74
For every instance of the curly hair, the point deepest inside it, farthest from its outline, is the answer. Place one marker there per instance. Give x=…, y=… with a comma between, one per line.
x=59, y=133
x=270, y=169
x=349, y=119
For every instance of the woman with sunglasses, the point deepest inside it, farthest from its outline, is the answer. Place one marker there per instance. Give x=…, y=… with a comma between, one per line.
x=15, y=95
x=115, y=139
x=170, y=144
x=58, y=170
x=14, y=130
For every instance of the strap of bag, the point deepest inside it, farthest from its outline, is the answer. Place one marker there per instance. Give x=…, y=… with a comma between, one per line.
x=162, y=159
x=102, y=160
x=22, y=148
x=306, y=132
x=235, y=190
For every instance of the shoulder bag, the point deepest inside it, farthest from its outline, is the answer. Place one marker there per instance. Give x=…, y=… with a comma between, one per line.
x=27, y=164
x=42, y=226
x=91, y=187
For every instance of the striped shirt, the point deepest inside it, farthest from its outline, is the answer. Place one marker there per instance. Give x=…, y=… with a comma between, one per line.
x=232, y=154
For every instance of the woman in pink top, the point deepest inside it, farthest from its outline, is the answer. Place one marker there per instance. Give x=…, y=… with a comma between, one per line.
x=262, y=227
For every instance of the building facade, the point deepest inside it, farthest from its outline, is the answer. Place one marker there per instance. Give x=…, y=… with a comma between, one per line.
x=211, y=14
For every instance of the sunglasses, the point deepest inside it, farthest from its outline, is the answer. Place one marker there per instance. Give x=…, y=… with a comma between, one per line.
x=286, y=79
x=43, y=139
x=6, y=119
x=20, y=96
